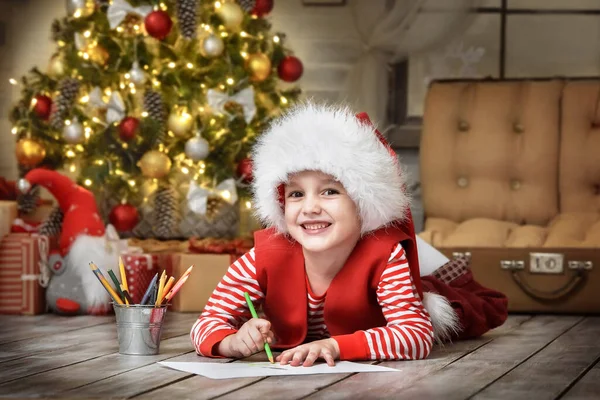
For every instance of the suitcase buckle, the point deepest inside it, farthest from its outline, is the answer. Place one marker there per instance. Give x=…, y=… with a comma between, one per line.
x=581, y=265
x=512, y=264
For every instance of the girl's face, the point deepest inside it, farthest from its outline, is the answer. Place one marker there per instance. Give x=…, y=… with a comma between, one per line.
x=319, y=214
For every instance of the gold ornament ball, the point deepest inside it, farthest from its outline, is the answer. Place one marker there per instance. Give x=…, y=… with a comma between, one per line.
x=155, y=164
x=259, y=66
x=56, y=67
x=180, y=122
x=98, y=54
x=29, y=152
x=232, y=15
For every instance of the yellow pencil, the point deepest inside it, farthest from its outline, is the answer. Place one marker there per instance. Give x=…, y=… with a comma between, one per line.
x=123, y=274
x=167, y=288
x=161, y=287
x=105, y=283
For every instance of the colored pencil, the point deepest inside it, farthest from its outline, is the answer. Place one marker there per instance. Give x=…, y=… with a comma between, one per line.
x=161, y=287
x=254, y=315
x=123, y=274
x=179, y=284
x=127, y=296
x=148, y=292
x=167, y=288
x=154, y=292
x=105, y=283
x=117, y=284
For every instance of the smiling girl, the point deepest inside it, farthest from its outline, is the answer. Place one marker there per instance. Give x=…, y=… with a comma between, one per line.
x=336, y=271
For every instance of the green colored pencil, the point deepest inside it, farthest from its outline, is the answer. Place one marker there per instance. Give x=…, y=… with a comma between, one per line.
x=117, y=284
x=254, y=315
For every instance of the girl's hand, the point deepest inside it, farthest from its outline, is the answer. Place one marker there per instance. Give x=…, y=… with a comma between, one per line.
x=306, y=354
x=249, y=339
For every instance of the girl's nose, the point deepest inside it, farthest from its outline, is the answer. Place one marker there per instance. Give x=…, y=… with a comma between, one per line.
x=311, y=205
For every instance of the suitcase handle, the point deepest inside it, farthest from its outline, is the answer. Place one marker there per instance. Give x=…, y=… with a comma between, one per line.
x=579, y=276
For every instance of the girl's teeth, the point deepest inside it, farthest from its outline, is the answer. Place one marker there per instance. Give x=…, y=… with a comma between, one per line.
x=316, y=226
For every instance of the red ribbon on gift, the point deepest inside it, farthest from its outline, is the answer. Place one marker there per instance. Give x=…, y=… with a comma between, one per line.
x=220, y=246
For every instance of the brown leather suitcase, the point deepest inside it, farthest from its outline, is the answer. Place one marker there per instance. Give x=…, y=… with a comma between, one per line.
x=539, y=279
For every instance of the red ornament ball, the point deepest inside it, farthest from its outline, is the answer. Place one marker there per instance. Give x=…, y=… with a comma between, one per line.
x=158, y=24
x=43, y=106
x=124, y=217
x=244, y=169
x=290, y=69
x=262, y=7
x=128, y=128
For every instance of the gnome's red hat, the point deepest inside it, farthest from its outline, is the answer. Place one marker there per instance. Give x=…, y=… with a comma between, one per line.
x=77, y=204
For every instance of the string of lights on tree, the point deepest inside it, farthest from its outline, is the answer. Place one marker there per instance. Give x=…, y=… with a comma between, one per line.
x=140, y=92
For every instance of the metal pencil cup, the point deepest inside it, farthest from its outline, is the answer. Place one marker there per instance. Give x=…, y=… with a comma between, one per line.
x=139, y=328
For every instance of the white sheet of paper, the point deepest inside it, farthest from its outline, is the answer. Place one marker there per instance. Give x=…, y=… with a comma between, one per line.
x=265, y=368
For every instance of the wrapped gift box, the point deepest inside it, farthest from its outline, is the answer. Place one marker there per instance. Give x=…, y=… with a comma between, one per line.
x=22, y=278
x=8, y=213
x=207, y=273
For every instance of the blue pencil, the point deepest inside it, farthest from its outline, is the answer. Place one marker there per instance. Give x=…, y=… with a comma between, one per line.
x=149, y=290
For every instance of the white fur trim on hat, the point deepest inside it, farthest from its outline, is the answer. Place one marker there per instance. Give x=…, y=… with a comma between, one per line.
x=332, y=140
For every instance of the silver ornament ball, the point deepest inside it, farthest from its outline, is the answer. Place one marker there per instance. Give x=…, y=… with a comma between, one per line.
x=137, y=74
x=23, y=185
x=212, y=46
x=197, y=148
x=73, y=133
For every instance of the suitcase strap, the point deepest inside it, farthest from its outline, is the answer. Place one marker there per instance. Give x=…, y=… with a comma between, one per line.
x=578, y=277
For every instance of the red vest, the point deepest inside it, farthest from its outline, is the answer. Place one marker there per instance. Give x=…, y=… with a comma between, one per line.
x=351, y=303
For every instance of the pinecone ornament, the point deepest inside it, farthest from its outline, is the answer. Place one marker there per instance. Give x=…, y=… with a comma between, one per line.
x=186, y=15
x=247, y=5
x=52, y=225
x=166, y=213
x=67, y=89
x=27, y=203
x=153, y=104
x=213, y=207
x=101, y=3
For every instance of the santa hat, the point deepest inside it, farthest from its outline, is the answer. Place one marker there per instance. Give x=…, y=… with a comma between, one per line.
x=77, y=204
x=337, y=142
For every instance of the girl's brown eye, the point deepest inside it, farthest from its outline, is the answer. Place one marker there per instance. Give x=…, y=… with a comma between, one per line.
x=295, y=194
x=330, y=192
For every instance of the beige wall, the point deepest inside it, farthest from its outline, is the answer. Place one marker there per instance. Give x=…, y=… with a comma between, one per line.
x=323, y=37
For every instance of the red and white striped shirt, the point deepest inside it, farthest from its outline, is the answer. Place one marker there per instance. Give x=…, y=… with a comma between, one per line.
x=408, y=334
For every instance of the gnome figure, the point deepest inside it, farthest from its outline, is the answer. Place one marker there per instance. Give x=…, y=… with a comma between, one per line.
x=73, y=288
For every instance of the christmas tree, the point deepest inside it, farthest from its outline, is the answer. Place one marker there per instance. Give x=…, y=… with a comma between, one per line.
x=142, y=96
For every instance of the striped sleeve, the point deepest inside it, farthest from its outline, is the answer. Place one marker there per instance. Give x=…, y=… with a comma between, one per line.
x=408, y=334
x=226, y=309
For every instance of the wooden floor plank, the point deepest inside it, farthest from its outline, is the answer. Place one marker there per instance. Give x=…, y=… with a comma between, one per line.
x=415, y=370
x=468, y=374
x=78, y=332
x=102, y=341
x=45, y=324
x=145, y=379
x=52, y=342
x=588, y=387
x=58, y=380
x=548, y=373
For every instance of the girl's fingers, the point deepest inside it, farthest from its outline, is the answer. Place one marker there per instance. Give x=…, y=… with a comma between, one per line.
x=286, y=356
x=247, y=346
x=311, y=357
x=328, y=357
x=257, y=338
x=299, y=356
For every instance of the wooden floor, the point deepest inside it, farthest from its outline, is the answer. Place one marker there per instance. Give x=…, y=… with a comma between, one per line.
x=529, y=357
